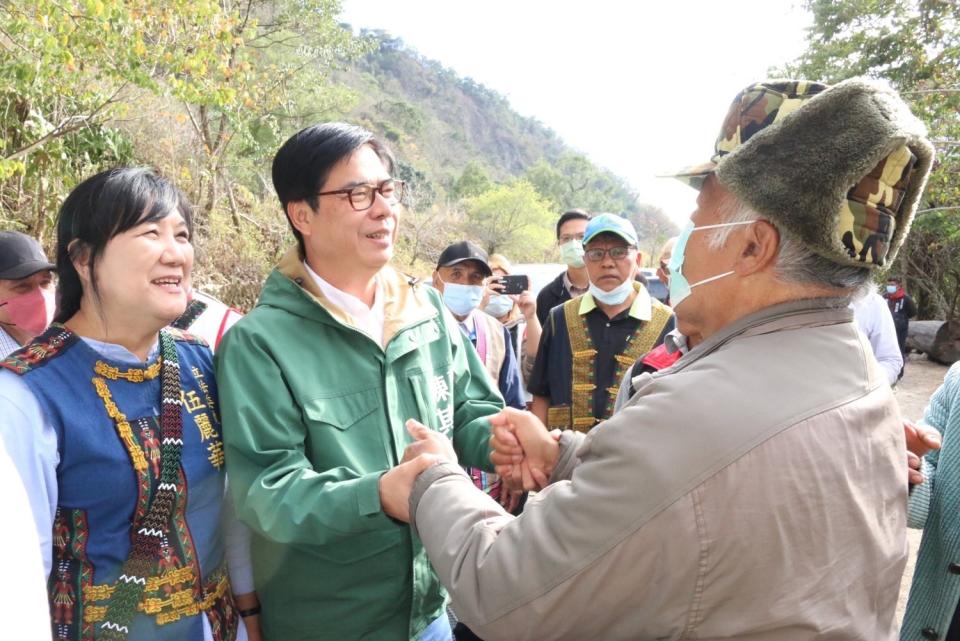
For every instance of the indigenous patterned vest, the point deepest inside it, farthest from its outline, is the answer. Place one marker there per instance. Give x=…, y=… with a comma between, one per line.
x=106, y=416
x=580, y=414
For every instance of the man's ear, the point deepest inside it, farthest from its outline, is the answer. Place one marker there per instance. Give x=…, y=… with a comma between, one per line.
x=759, y=245
x=300, y=215
x=437, y=281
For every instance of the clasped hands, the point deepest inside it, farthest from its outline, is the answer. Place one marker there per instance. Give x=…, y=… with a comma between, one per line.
x=524, y=454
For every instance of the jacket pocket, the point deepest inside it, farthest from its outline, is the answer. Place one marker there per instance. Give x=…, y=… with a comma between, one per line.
x=344, y=411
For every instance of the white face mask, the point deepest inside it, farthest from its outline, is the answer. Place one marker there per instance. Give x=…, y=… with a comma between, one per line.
x=615, y=296
x=499, y=305
x=571, y=253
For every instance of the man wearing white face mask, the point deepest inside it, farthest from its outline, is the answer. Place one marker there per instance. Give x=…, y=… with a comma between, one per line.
x=573, y=281
x=589, y=342
x=26, y=291
x=459, y=277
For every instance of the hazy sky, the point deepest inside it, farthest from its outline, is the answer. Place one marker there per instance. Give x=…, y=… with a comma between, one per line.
x=640, y=87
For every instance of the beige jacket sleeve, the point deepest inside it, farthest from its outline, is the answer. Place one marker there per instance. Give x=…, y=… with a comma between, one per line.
x=568, y=567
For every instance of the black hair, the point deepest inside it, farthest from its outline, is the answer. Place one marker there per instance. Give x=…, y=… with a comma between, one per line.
x=303, y=163
x=571, y=214
x=100, y=208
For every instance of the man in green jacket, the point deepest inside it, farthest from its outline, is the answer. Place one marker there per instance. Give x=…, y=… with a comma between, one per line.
x=316, y=384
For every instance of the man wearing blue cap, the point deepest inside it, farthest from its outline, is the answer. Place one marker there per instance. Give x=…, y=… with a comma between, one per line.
x=589, y=342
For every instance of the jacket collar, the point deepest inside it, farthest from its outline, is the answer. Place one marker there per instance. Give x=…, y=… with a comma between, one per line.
x=405, y=302
x=809, y=312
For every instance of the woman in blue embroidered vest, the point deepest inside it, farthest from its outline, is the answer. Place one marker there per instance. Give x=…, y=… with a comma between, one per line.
x=112, y=422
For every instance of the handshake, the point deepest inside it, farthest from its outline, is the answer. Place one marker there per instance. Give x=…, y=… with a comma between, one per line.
x=524, y=452
x=524, y=455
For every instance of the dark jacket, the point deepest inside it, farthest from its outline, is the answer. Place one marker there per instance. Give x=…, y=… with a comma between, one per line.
x=550, y=296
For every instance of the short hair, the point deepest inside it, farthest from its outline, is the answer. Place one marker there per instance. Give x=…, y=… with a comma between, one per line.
x=898, y=280
x=101, y=208
x=571, y=214
x=796, y=261
x=302, y=165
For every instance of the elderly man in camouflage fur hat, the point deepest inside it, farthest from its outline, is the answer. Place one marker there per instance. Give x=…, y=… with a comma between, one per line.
x=755, y=489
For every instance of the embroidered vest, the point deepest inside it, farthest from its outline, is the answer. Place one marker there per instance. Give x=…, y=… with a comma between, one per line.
x=108, y=431
x=580, y=414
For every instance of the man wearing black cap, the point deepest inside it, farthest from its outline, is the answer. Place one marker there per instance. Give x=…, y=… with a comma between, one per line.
x=26, y=290
x=459, y=277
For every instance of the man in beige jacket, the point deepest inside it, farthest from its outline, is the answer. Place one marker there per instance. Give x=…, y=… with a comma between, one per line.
x=755, y=489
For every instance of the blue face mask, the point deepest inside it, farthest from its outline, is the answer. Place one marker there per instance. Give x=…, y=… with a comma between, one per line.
x=615, y=296
x=679, y=287
x=891, y=289
x=499, y=305
x=462, y=299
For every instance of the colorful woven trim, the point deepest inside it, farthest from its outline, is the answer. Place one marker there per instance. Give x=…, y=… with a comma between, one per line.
x=194, y=309
x=185, y=337
x=149, y=534
x=638, y=344
x=70, y=576
x=55, y=340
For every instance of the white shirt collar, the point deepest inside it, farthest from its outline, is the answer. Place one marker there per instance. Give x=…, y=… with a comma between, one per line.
x=369, y=320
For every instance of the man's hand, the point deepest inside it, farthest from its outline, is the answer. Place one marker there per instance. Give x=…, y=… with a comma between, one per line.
x=397, y=484
x=427, y=441
x=428, y=448
x=920, y=440
x=524, y=452
x=527, y=304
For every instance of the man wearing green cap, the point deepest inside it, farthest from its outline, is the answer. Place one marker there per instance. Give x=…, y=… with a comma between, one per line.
x=589, y=341
x=755, y=489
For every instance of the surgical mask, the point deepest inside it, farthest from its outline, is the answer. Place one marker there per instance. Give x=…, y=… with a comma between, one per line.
x=678, y=285
x=499, y=305
x=32, y=312
x=891, y=289
x=615, y=296
x=462, y=299
x=571, y=253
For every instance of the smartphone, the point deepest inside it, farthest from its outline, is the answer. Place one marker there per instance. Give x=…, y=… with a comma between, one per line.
x=515, y=284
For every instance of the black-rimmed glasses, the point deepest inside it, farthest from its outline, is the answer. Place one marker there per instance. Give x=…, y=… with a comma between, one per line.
x=362, y=196
x=616, y=253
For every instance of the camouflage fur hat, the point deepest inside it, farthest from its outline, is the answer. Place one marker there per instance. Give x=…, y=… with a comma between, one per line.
x=842, y=168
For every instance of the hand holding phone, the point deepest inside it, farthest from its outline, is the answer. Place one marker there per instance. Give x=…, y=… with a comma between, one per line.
x=514, y=284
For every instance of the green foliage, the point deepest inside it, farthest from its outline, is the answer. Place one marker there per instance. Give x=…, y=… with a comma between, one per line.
x=915, y=45
x=512, y=219
x=572, y=181
x=472, y=182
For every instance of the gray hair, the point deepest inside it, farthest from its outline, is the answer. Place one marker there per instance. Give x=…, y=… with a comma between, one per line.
x=796, y=263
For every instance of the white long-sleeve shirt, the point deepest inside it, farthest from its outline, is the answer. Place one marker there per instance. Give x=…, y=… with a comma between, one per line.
x=876, y=323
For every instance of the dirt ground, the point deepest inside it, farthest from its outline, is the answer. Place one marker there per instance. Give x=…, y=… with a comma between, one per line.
x=920, y=379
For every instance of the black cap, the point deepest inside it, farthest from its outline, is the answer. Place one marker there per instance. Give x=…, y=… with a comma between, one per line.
x=21, y=256
x=464, y=250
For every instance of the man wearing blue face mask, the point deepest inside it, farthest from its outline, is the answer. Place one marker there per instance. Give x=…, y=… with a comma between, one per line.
x=589, y=342
x=459, y=277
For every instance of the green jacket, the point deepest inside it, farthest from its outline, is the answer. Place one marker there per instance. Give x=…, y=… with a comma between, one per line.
x=313, y=414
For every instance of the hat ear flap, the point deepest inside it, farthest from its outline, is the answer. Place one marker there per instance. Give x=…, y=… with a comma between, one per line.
x=799, y=171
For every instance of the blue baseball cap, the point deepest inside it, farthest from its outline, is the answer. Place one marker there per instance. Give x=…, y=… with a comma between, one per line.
x=610, y=224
